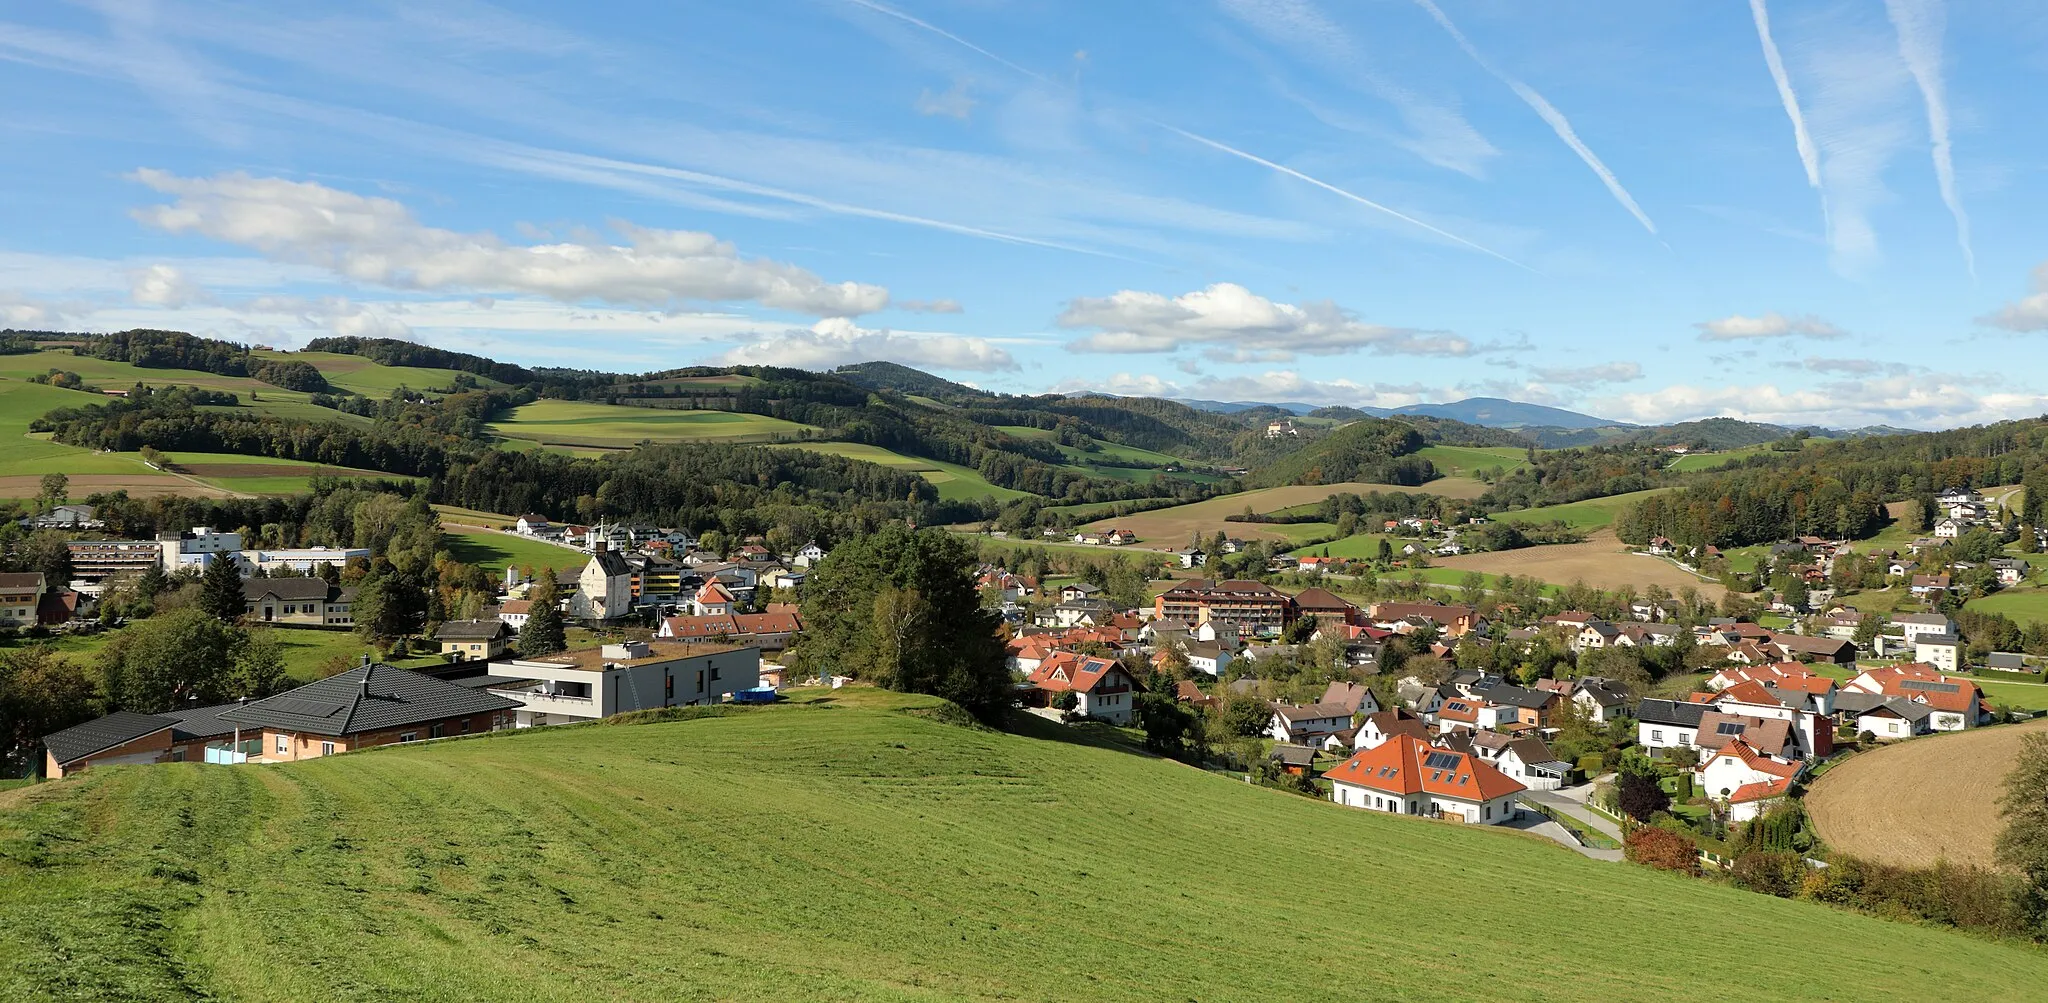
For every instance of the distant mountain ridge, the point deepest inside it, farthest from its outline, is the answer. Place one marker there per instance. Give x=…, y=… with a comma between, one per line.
x=1493, y=412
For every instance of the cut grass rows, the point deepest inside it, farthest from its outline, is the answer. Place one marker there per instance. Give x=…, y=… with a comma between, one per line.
x=850, y=851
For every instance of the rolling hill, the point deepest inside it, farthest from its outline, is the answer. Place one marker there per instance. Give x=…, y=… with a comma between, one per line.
x=859, y=847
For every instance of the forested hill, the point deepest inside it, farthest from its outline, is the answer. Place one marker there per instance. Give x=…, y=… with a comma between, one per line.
x=1377, y=450
x=905, y=380
x=1837, y=487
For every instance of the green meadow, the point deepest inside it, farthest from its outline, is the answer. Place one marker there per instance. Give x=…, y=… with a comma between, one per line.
x=1590, y=514
x=577, y=423
x=953, y=480
x=1468, y=461
x=498, y=551
x=859, y=846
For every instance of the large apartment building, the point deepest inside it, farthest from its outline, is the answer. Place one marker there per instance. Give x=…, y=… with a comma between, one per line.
x=1243, y=608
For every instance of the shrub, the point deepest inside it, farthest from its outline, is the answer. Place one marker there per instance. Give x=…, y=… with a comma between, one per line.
x=1771, y=872
x=1662, y=849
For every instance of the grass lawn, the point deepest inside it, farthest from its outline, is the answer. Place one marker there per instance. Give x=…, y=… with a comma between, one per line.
x=1590, y=514
x=851, y=848
x=2026, y=696
x=307, y=651
x=1467, y=461
x=498, y=551
x=26, y=455
x=953, y=480
x=1363, y=546
x=102, y=374
x=2024, y=603
x=576, y=423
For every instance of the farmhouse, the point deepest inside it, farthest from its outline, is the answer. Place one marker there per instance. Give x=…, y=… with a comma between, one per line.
x=1600, y=699
x=1378, y=728
x=1668, y=724
x=1102, y=689
x=1747, y=780
x=20, y=594
x=473, y=640
x=298, y=602
x=1407, y=776
x=363, y=707
x=1306, y=725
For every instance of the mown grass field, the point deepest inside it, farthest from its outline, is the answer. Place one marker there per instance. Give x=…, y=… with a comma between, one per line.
x=1713, y=461
x=1466, y=461
x=1592, y=513
x=953, y=480
x=2024, y=603
x=1170, y=527
x=850, y=850
x=497, y=551
x=577, y=423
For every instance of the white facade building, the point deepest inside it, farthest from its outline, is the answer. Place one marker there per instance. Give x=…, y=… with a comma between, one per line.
x=591, y=684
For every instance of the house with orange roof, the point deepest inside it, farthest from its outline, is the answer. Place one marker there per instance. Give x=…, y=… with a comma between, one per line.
x=1102, y=689
x=1407, y=776
x=1747, y=780
x=713, y=600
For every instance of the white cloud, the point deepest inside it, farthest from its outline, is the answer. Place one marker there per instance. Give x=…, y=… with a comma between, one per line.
x=1769, y=325
x=1913, y=401
x=953, y=102
x=165, y=286
x=379, y=241
x=18, y=311
x=2027, y=314
x=1854, y=367
x=837, y=341
x=1273, y=385
x=1920, y=24
x=1590, y=376
x=931, y=306
x=1241, y=324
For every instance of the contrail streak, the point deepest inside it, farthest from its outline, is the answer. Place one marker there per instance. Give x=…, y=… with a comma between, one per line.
x=1809, y=157
x=889, y=11
x=1546, y=111
x=1919, y=24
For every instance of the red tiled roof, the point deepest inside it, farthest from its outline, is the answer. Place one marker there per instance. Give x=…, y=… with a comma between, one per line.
x=1762, y=791
x=1762, y=764
x=1067, y=670
x=1400, y=767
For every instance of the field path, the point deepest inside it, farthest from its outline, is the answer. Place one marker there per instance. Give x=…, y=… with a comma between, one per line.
x=1922, y=800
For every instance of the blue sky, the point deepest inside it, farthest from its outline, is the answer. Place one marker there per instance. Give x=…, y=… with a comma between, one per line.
x=1821, y=213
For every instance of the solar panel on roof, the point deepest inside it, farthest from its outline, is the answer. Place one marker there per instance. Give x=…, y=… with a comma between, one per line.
x=304, y=706
x=1441, y=761
x=1730, y=728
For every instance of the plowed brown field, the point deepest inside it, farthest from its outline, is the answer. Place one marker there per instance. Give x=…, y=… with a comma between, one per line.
x=1922, y=800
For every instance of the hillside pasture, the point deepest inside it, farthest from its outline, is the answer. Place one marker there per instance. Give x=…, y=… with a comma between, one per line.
x=255, y=395
x=854, y=846
x=1170, y=528
x=356, y=374
x=1693, y=462
x=1467, y=461
x=1590, y=514
x=1921, y=800
x=2024, y=603
x=495, y=551
x=616, y=426
x=1600, y=561
x=954, y=481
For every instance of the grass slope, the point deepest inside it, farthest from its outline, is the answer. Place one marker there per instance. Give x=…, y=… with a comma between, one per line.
x=1592, y=513
x=1465, y=461
x=497, y=551
x=953, y=480
x=852, y=851
x=372, y=379
x=576, y=423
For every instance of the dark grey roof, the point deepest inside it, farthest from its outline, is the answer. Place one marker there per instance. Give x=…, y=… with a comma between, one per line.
x=1294, y=755
x=287, y=589
x=1857, y=702
x=343, y=704
x=612, y=563
x=1519, y=696
x=77, y=742
x=1605, y=692
x=195, y=723
x=1680, y=713
x=472, y=630
x=2005, y=660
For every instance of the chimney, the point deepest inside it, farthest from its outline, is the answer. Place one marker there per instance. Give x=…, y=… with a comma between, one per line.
x=366, y=659
x=366, y=683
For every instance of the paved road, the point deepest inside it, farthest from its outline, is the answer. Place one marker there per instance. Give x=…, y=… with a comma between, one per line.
x=1533, y=822
x=1572, y=801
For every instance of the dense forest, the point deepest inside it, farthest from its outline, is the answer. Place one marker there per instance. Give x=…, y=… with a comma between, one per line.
x=1376, y=450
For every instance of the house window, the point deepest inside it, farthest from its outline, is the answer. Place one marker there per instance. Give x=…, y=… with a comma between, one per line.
x=327, y=748
x=436, y=730
x=1656, y=734
x=410, y=736
x=1489, y=811
x=289, y=610
x=714, y=673
x=465, y=726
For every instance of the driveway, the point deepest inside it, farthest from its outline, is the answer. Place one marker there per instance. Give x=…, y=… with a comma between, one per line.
x=1572, y=801
x=1533, y=822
